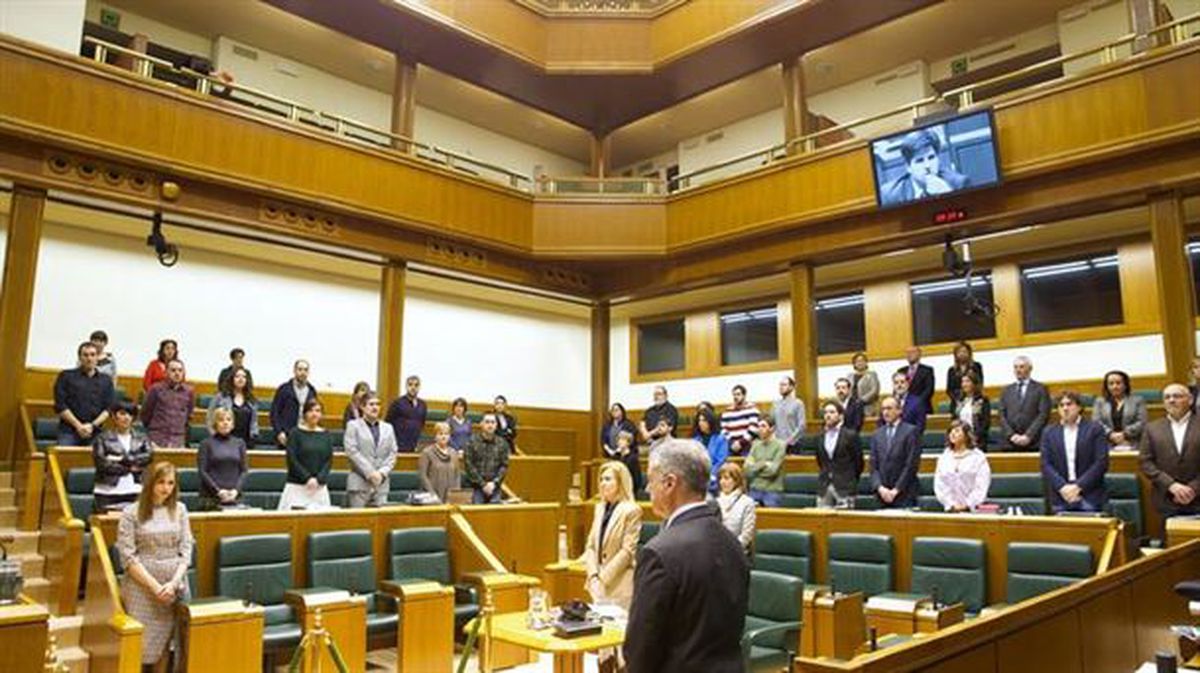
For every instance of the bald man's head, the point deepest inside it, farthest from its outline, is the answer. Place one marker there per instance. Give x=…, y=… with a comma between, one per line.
x=1177, y=400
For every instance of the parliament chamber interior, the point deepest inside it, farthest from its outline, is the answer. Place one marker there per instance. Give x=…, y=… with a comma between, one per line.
x=916, y=280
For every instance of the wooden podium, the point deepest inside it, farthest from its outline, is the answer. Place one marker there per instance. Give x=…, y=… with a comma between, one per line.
x=930, y=619
x=343, y=616
x=425, y=640
x=837, y=624
x=24, y=626
x=220, y=634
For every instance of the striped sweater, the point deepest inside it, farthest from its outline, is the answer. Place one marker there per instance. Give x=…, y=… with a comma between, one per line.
x=740, y=424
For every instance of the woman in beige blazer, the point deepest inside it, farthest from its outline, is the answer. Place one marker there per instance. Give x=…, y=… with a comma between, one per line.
x=613, y=539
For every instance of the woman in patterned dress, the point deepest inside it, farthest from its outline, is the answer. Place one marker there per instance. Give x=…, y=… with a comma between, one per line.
x=155, y=543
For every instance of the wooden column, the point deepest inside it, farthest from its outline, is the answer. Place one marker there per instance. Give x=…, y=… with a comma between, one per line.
x=600, y=371
x=16, y=308
x=1173, y=274
x=600, y=152
x=404, y=101
x=391, y=330
x=795, y=105
x=804, y=335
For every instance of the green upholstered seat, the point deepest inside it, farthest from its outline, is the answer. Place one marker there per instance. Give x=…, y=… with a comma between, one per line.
x=866, y=496
x=1036, y=567
x=773, y=620
x=787, y=552
x=401, y=485
x=344, y=560
x=926, y=500
x=933, y=442
x=196, y=434
x=263, y=488
x=337, y=488
x=1124, y=502
x=1019, y=489
x=800, y=490
x=860, y=562
x=188, y=479
x=648, y=531
x=258, y=568
x=436, y=415
x=953, y=569
x=79, y=482
x=416, y=554
x=943, y=407
x=1150, y=395
x=45, y=432
x=202, y=401
x=338, y=437
x=266, y=436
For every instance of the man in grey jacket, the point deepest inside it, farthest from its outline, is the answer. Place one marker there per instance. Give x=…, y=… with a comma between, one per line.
x=1024, y=409
x=371, y=448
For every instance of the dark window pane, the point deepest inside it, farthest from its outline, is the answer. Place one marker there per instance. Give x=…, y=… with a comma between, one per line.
x=660, y=347
x=841, y=327
x=751, y=335
x=1080, y=292
x=942, y=311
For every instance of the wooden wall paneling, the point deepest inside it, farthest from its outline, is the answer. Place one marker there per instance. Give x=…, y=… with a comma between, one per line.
x=888, y=318
x=689, y=25
x=1109, y=643
x=601, y=371
x=701, y=342
x=1138, y=285
x=1057, y=642
x=1176, y=294
x=1006, y=292
x=508, y=26
x=24, y=236
x=804, y=333
x=404, y=101
x=391, y=331
x=524, y=537
x=24, y=627
x=597, y=43
x=581, y=228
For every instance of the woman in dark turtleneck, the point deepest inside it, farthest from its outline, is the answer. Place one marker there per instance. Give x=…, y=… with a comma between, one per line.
x=222, y=463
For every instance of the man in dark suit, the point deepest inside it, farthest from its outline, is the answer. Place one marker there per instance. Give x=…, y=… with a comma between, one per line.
x=920, y=378
x=913, y=409
x=289, y=400
x=1075, y=459
x=1170, y=454
x=692, y=580
x=924, y=176
x=839, y=458
x=1024, y=409
x=852, y=406
x=895, y=457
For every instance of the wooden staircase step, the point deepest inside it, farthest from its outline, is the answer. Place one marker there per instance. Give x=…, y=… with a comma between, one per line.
x=24, y=541
x=32, y=565
x=8, y=496
x=67, y=630
x=37, y=588
x=6, y=479
x=75, y=658
x=8, y=517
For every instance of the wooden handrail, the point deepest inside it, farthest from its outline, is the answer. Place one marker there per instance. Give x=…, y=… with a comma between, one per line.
x=1110, y=546
x=58, y=486
x=462, y=528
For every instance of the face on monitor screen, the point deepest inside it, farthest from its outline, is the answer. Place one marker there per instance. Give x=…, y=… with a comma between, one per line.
x=935, y=160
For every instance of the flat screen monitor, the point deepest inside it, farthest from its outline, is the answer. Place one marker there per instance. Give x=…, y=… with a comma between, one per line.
x=930, y=161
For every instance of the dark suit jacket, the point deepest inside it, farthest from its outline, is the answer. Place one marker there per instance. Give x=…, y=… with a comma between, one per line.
x=920, y=384
x=1164, y=465
x=954, y=380
x=913, y=411
x=896, y=467
x=1023, y=416
x=1091, y=463
x=690, y=596
x=846, y=466
x=285, y=408
x=854, y=414
x=981, y=418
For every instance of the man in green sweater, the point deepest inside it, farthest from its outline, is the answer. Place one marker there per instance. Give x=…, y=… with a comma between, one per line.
x=764, y=465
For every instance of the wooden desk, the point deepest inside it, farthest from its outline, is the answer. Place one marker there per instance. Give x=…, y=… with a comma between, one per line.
x=343, y=616
x=23, y=632
x=1180, y=530
x=220, y=634
x=839, y=627
x=910, y=615
x=512, y=628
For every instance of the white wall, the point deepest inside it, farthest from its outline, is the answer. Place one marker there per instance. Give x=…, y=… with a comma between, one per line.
x=209, y=302
x=1091, y=24
x=748, y=135
x=658, y=163
x=57, y=24
x=1138, y=356
x=871, y=95
x=998, y=50
x=158, y=32
x=475, y=350
x=441, y=130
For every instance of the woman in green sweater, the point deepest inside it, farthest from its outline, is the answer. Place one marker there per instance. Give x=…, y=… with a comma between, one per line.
x=764, y=465
x=309, y=458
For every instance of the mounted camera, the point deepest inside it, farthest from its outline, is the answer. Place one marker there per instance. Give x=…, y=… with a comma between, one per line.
x=167, y=253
